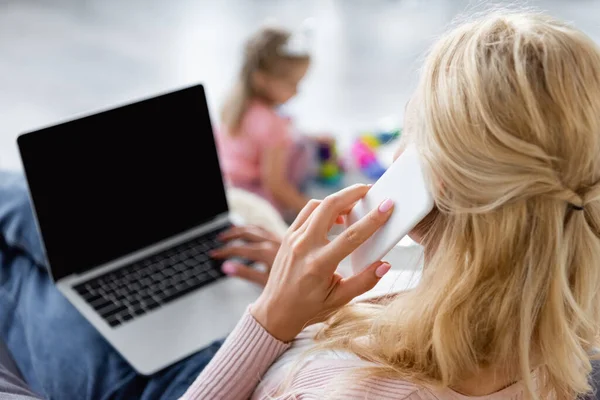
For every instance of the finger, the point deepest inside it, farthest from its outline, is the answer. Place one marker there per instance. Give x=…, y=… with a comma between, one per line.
x=355, y=285
x=340, y=219
x=245, y=250
x=232, y=268
x=304, y=214
x=357, y=233
x=348, y=209
x=248, y=233
x=324, y=216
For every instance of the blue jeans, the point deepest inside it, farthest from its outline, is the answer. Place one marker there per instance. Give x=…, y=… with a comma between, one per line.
x=60, y=355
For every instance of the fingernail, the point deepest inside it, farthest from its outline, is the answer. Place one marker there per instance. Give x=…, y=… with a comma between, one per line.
x=229, y=268
x=382, y=270
x=386, y=205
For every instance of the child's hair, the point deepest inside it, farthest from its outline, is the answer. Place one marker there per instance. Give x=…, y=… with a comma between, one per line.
x=266, y=51
x=508, y=123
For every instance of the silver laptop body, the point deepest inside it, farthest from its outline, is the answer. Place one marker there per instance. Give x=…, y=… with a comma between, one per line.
x=129, y=202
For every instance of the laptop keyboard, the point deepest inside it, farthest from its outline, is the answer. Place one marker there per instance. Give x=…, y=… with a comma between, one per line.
x=138, y=288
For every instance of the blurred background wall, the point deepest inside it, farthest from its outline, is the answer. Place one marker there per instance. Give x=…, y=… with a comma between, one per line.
x=59, y=58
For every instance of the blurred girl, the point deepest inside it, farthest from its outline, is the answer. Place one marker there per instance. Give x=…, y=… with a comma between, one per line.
x=257, y=150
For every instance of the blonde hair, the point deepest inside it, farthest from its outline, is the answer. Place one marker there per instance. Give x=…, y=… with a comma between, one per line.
x=264, y=52
x=508, y=123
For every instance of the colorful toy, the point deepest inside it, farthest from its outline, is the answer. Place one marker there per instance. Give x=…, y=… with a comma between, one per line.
x=330, y=168
x=364, y=152
x=386, y=137
x=370, y=140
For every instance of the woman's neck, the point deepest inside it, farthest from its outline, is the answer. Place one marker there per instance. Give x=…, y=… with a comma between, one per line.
x=488, y=381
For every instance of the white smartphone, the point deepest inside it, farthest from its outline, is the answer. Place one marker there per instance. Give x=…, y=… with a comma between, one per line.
x=405, y=184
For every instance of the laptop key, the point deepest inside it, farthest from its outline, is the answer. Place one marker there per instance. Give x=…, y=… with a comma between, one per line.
x=100, y=304
x=157, y=277
x=91, y=298
x=125, y=316
x=167, y=291
x=111, y=309
x=137, y=310
x=215, y=273
x=151, y=304
x=144, y=292
x=90, y=288
x=191, y=288
x=170, y=297
x=202, y=258
x=180, y=267
x=113, y=321
x=146, y=282
x=190, y=262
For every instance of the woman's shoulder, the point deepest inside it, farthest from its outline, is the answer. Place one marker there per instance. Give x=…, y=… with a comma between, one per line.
x=344, y=377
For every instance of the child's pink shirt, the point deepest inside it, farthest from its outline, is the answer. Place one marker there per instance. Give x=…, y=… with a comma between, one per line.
x=241, y=154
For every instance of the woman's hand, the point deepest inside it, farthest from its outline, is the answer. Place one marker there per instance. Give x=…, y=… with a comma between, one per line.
x=303, y=287
x=259, y=245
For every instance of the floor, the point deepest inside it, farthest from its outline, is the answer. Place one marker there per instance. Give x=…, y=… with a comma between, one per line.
x=60, y=58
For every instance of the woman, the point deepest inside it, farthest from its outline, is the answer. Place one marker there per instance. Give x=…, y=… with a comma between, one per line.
x=507, y=120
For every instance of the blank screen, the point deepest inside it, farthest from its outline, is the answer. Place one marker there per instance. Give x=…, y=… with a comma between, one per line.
x=112, y=183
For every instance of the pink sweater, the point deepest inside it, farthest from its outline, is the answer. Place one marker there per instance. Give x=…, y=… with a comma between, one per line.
x=241, y=155
x=237, y=370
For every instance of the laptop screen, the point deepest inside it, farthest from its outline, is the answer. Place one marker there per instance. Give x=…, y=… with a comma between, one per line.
x=106, y=185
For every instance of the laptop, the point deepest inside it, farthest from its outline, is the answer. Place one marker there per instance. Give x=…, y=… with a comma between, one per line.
x=129, y=202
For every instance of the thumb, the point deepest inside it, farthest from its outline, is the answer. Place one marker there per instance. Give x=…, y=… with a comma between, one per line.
x=360, y=283
x=232, y=268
